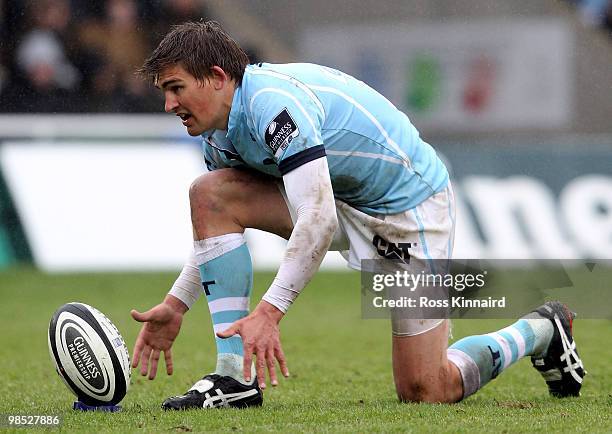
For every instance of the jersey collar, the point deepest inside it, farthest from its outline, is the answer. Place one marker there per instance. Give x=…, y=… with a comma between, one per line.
x=236, y=113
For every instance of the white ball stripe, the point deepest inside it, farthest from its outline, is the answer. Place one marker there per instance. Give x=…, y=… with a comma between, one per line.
x=228, y=303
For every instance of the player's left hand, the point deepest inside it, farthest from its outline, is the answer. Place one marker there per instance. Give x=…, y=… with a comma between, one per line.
x=260, y=336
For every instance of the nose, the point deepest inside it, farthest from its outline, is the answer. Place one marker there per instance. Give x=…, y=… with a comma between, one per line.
x=171, y=103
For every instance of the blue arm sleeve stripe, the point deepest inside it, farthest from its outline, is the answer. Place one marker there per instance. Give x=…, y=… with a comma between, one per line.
x=293, y=162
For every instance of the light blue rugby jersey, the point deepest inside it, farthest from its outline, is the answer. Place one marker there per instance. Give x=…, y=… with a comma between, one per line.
x=285, y=115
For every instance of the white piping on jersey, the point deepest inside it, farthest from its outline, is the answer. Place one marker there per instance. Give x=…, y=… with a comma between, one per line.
x=292, y=80
x=367, y=155
x=369, y=115
x=287, y=94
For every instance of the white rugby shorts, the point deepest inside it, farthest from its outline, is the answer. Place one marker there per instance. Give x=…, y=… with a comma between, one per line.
x=428, y=229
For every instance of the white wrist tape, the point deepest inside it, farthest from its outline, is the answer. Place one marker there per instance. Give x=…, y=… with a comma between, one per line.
x=188, y=285
x=280, y=295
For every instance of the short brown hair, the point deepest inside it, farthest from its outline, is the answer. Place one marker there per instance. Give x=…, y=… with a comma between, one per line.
x=197, y=47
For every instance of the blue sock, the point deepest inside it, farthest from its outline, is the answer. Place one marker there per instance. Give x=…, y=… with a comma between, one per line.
x=482, y=358
x=227, y=278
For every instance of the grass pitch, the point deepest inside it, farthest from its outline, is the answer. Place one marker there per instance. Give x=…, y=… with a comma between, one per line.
x=340, y=366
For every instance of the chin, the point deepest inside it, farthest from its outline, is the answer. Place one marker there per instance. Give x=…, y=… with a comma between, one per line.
x=195, y=131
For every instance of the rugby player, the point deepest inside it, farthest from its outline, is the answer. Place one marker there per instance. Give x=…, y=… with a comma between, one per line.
x=320, y=158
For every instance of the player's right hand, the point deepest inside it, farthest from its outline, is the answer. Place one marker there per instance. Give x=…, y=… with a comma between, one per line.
x=260, y=336
x=161, y=325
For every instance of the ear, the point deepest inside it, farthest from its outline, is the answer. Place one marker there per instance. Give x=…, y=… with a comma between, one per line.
x=218, y=78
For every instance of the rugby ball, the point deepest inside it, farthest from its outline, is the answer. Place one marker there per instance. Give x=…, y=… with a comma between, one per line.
x=89, y=354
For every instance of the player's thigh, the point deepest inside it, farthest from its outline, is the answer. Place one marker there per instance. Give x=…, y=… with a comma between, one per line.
x=247, y=198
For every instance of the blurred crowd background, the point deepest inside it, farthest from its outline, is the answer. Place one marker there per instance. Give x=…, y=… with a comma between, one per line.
x=75, y=56
x=79, y=56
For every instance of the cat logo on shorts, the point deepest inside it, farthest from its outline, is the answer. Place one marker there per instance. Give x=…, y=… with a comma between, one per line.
x=390, y=250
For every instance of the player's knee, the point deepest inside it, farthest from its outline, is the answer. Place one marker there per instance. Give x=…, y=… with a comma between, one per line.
x=209, y=191
x=420, y=391
x=202, y=196
x=412, y=391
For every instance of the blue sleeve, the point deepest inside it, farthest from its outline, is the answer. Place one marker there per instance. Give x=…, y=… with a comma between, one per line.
x=288, y=118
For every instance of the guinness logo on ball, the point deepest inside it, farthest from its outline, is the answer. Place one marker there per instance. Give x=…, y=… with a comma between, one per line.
x=81, y=355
